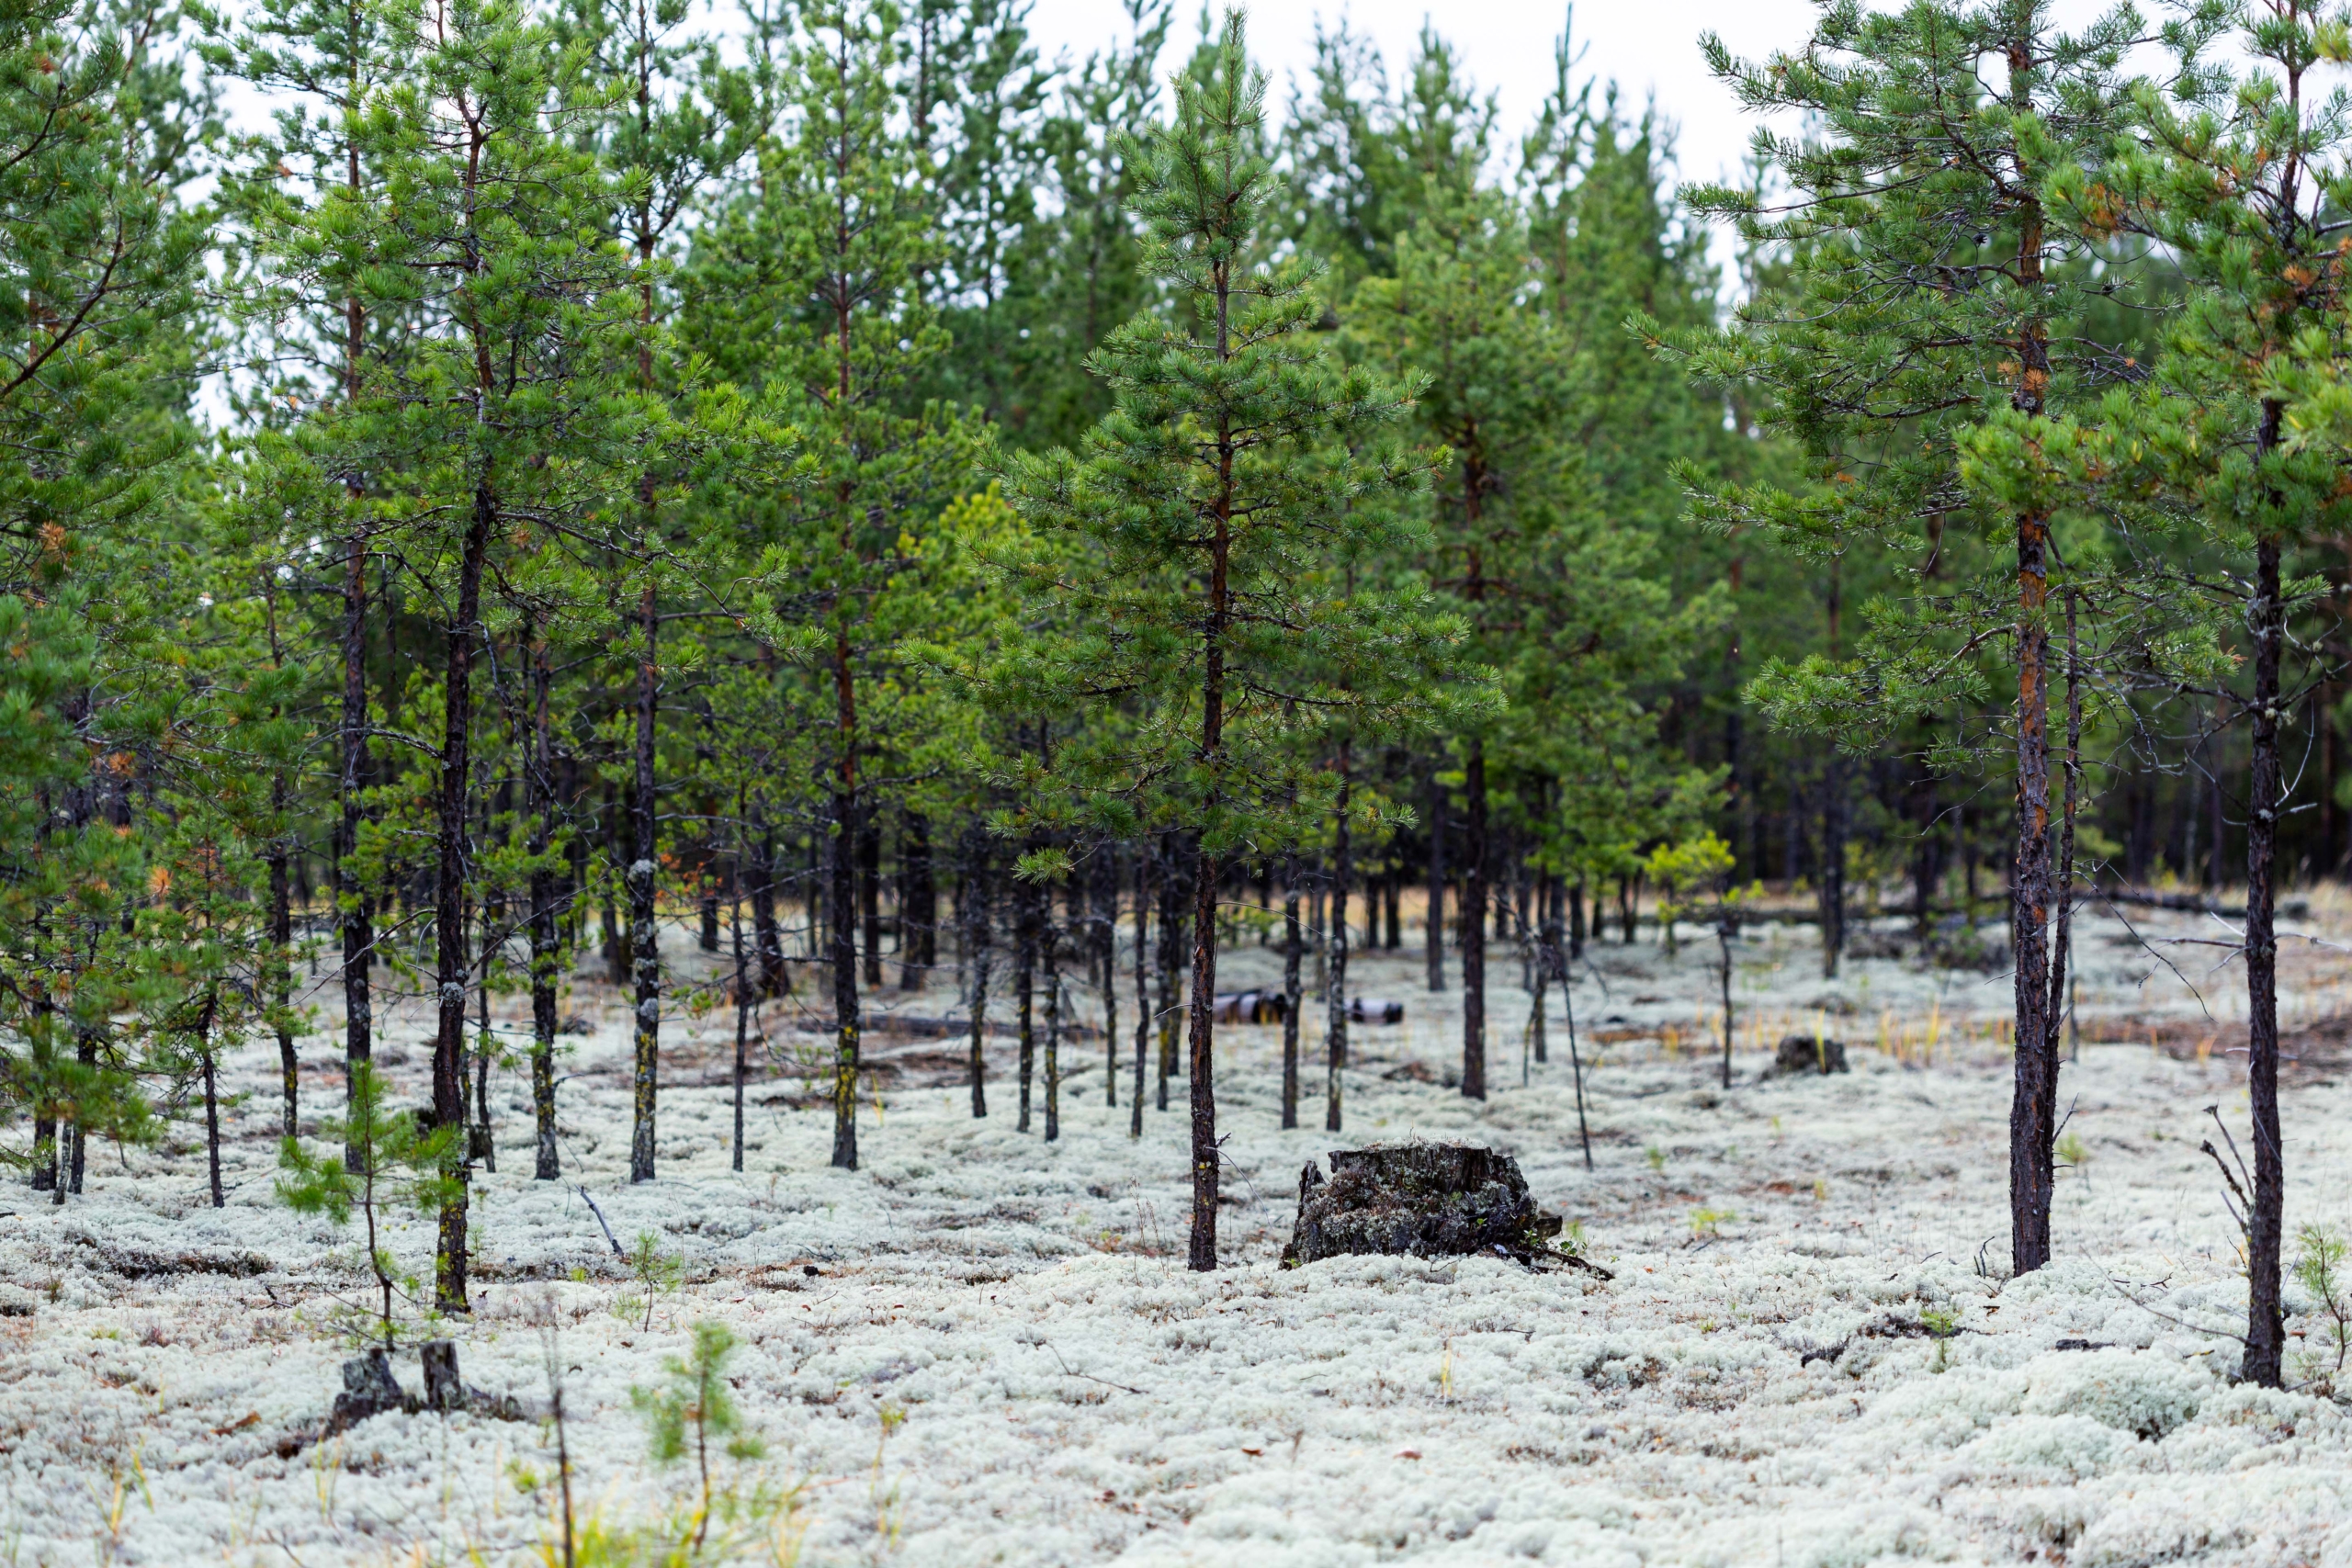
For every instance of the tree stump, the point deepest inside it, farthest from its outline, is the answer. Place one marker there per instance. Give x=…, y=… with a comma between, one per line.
x=1419, y=1200
x=368, y=1389
x=1804, y=1054
x=444, y=1391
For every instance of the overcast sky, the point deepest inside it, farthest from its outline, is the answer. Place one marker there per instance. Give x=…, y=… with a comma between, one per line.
x=1649, y=47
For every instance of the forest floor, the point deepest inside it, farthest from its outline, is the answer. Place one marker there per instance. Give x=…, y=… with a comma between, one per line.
x=981, y=1348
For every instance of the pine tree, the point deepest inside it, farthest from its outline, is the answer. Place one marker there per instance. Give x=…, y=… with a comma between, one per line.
x=1452, y=316
x=506, y=408
x=311, y=306
x=1187, y=539
x=1930, y=286
x=679, y=120
x=97, y=314
x=2235, y=175
x=811, y=286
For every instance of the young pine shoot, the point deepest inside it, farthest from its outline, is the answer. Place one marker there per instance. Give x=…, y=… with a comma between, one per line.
x=375, y=1158
x=695, y=1409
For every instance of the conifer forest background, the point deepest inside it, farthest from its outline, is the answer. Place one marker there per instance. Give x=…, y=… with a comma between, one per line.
x=762, y=511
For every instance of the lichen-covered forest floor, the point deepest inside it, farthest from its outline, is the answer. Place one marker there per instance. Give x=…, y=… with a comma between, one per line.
x=981, y=1348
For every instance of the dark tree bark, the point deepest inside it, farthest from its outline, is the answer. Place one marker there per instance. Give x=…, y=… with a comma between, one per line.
x=644, y=879
x=775, y=980
x=1336, y=1025
x=352, y=915
x=869, y=893
x=77, y=1136
x=1025, y=966
x=1832, y=893
x=1050, y=944
x=1202, y=1254
x=2031, y=1127
x=452, y=966
x=1108, y=948
x=1436, y=921
x=1144, y=856
x=918, y=905
x=281, y=967
x=480, y=1146
x=840, y=902
x=211, y=1098
x=743, y=993
x=1293, y=946
x=976, y=924
x=2265, y=1328
x=1473, y=921
x=547, y=951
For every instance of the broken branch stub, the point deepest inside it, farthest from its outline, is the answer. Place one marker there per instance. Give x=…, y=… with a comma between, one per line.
x=1421, y=1201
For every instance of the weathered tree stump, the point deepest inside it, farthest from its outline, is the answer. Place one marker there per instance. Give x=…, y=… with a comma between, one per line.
x=1805, y=1053
x=1421, y=1201
x=444, y=1390
x=368, y=1389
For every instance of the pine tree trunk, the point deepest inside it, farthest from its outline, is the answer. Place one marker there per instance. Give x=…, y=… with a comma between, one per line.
x=1473, y=921
x=1833, y=865
x=547, y=953
x=869, y=893
x=352, y=916
x=840, y=900
x=976, y=944
x=281, y=963
x=1143, y=986
x=2031, y=1128
x=452, y=969
x=1294, y=945
x=1334, y=1033
x=644, y=880
x=2265, y=1332
x=1050, y=943
x=212, y=1130
x=77, y=1136
x=918, y=905
x=1024, y=963
x=1202, y=1254
x=743, y=993
x=775, y=980
x=1110, y=956
x=1436, y=921
x=44, y=1172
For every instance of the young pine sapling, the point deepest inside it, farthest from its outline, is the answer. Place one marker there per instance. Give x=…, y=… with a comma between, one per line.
x=393, y=1163
x=696, y=1408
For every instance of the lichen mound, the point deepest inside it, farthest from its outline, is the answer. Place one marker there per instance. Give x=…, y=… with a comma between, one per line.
x=1420, y=1200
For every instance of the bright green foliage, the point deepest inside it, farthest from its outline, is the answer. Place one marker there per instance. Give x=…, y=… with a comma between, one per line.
x=97, y=321
x=1928, y=288
x=1187, y=539
x=398, y=1167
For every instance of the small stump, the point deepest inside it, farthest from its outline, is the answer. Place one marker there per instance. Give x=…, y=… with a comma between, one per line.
x=1807, y=1055
x=1419, y=1200
x=368, y=1389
